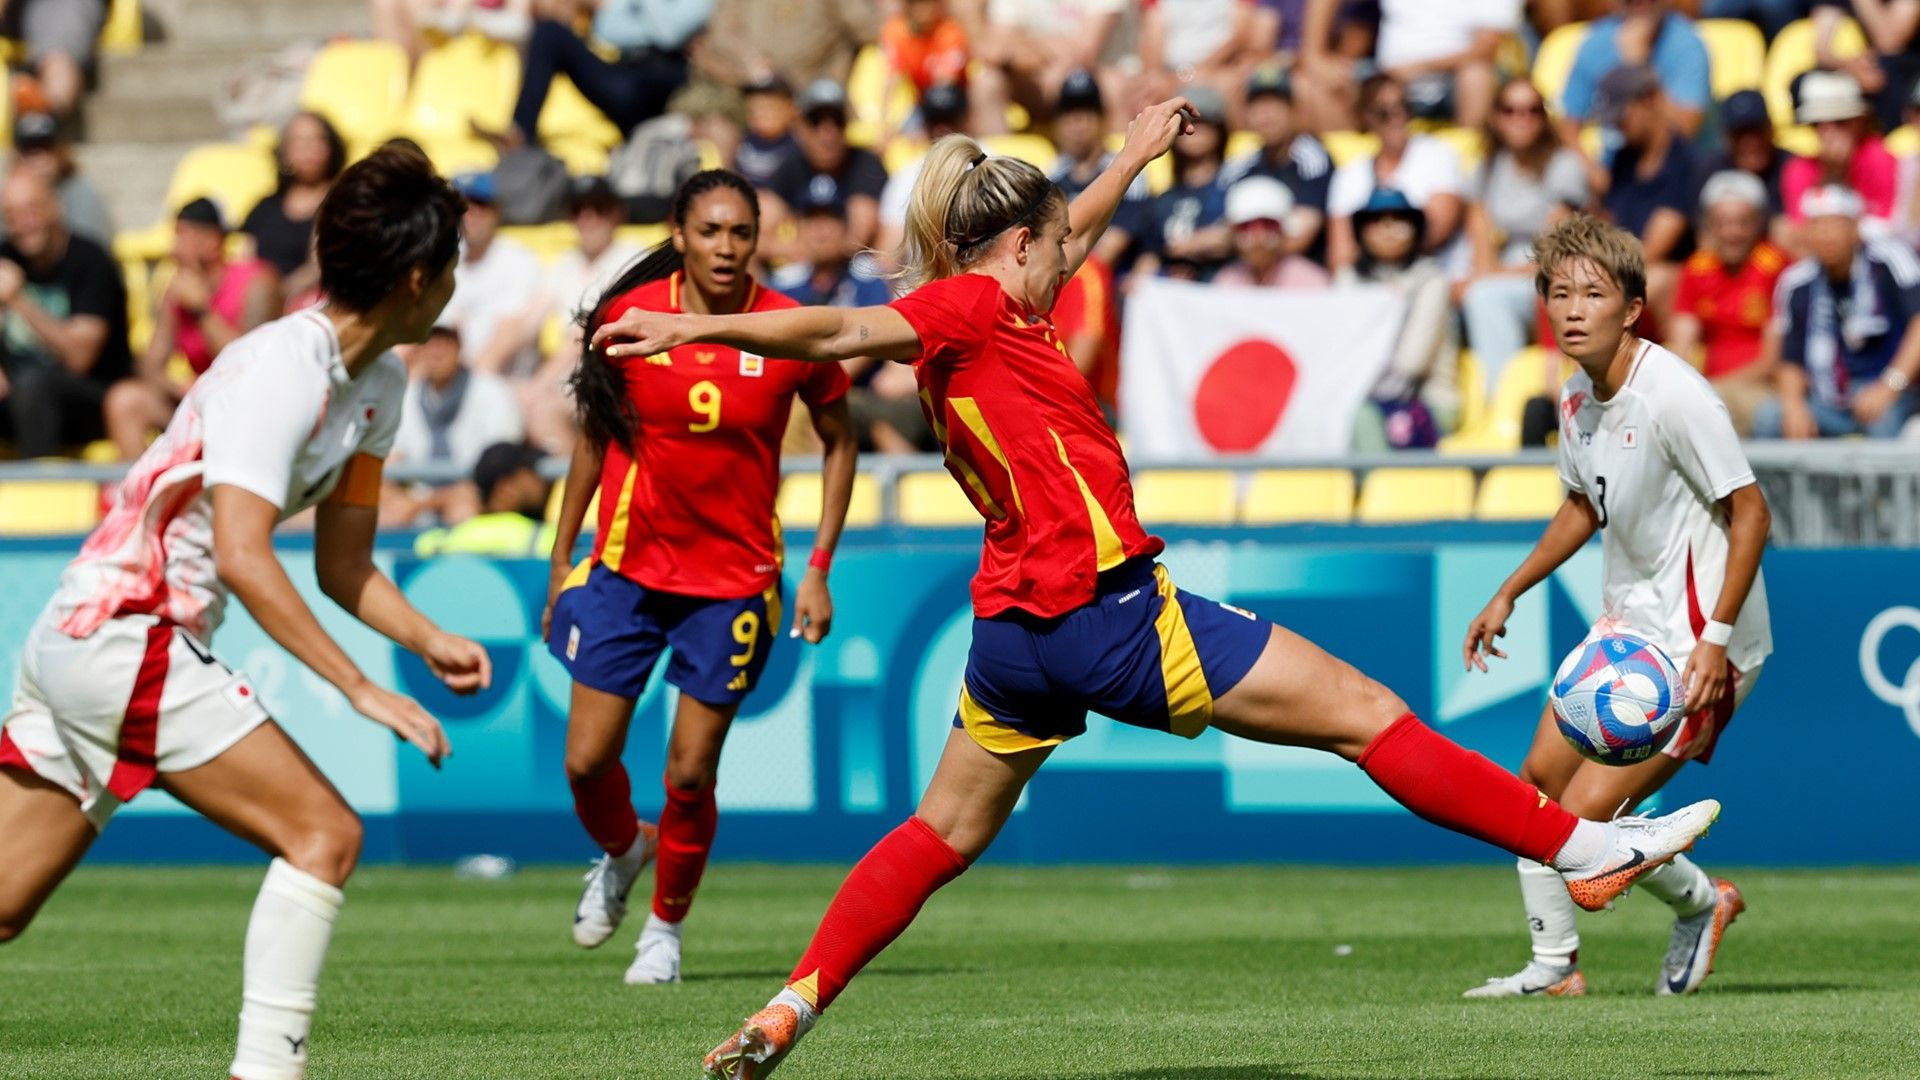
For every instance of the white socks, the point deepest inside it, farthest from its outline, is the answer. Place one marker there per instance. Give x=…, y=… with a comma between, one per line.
x=1681, y=885
x=1586, y=850
x=659, y=927
x=286, y=946
x=1550, y=914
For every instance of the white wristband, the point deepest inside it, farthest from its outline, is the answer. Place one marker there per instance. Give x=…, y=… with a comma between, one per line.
x=1717, y=633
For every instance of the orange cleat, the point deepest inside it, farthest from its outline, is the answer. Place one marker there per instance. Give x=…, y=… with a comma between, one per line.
x=1639, y=845
x=753, y=1052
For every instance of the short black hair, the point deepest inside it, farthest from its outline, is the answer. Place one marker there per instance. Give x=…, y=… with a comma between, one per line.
x=387, y=214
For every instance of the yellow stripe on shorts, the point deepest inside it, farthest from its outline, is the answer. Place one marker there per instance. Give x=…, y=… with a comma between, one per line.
x=996, y=736
x=1189, y=701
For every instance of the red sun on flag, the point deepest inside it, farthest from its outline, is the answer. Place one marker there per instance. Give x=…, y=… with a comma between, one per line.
x=1243, y=395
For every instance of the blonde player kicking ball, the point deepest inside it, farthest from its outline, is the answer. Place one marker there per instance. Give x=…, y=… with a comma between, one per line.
x=1072, y=612
x=117, y=690
x=1650, y=459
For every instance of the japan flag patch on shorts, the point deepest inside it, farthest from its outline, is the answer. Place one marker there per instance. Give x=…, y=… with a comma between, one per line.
x=752, y=365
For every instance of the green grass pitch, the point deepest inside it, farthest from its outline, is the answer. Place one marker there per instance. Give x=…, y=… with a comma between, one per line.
x=1010, y=974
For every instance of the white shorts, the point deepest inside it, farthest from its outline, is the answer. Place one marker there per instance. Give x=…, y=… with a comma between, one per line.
x=103, y=715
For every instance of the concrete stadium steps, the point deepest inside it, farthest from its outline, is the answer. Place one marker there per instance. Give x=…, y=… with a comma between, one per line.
x=154, y=106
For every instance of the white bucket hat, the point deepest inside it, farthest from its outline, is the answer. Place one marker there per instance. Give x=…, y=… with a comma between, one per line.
x=1829, y=95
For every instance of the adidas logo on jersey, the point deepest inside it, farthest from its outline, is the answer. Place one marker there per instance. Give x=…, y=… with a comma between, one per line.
x=739, y=682
x=660, y=359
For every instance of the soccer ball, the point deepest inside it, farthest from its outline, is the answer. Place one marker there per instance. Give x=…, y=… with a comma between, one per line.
x=1617, y=699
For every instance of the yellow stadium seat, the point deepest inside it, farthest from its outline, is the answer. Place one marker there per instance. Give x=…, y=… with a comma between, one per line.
x=569, y=115
x=1523, y=378
x=1792, y=53
x=559, y=493
x=1185, y=497
x=48, y=507
x=234, y=175
x=581, y=156
x=1032, y=149
x=902, y=152
x=101, y=452
x=1472, y=380
x=360, y=86
x=867, y=102
x=1519, y=493
x=932, y=498
x=453, y=156
x=1471, y=145
x=1345, y=146
x=122, y=32
x=1395, y=495
x=801, y=497
x=1903, y=141
x=1285, y=496
x=1242, y=143
x=1553, y=63
x=1736, y=53
x=642, y=236
x=470, y=81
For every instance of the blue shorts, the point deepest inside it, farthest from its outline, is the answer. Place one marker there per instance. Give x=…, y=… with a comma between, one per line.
x=1143, y=652
x=608, y=630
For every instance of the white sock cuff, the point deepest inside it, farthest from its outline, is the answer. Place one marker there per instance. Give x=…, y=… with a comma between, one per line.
x=657, y=925
x=299, y=887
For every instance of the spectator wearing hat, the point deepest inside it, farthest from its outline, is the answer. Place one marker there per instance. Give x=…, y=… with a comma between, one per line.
x=826, y=170
x=1724, y=302
x=1527, y=181
x=1423, y=168
x=1648, y=187
x=1260, y=212
x=450, y=415
x=648, y=40
x=1850, y=153
x=513, y=502
x=799, y=40
x=1418, y=395
x=1890, y=68
x=279, y=228
x=498, y=298
x=925, y=46
x=1080, y=134
x=768, y=141
x=1748, y=129
x=944, y=110
x=41, y=145
x=1640, y=33
x=1846, y=336
x=209, y=302
x=1183, y=233
x=1186, y=42
x=60, y=37
x=1025, y=49
x=65, y=339
x=1287, y=154
x=1444, y=53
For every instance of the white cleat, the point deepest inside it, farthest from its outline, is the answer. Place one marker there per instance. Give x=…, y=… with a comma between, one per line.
x=603, y=903
x=1696, y=939
x=1639, y=845
x=656, y=959
x=1534, y=980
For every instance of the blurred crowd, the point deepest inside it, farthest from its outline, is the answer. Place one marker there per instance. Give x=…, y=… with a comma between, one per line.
x=1396, y=142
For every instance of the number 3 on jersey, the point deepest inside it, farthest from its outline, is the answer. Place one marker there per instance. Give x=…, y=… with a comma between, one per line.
x=704, y=398
x=1600, y=499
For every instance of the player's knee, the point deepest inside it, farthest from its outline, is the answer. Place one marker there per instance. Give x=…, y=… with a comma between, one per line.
x=584, y=764
x=692, y=769
x=329, y=849
x=13, y=924
x=1374, y=709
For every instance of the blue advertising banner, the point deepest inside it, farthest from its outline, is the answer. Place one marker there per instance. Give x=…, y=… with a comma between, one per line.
x=835, y=745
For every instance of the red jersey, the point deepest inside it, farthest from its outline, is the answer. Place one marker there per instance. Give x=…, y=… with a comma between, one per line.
x=694, y=513
x=1026, y=440
x=1733, y=305
x=1085, y=306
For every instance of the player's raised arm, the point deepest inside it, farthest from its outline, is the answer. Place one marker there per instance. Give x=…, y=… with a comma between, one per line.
x=1149, y=135
x=820, y=334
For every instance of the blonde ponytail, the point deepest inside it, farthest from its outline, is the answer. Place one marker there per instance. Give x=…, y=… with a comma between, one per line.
x=962, y=199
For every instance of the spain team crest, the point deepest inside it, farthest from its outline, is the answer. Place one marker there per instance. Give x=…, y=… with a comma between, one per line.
x=752, y=365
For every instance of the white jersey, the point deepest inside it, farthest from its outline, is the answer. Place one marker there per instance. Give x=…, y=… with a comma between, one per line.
x=1655, y=461
x=275, y=415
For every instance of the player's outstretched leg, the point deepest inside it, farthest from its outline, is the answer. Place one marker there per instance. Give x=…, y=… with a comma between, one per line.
x=43, y=836
x=263, y=789
x=1299, y=695
x=687, y=825
x=965, y=804
x=603, y=801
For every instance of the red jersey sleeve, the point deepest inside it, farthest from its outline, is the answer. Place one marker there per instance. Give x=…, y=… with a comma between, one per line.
x=823, y=384
x=953, y=317
x=1687, y=296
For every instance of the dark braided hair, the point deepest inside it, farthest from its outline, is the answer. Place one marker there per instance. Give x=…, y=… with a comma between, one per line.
x=598, y=382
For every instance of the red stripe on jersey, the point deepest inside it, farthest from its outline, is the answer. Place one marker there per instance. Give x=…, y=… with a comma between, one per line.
x=1695, y=617
x=140, y=729
x=1026, y=440
x=10, y=752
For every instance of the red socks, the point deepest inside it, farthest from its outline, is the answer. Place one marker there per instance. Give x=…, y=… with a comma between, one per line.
x=604, y=805
x=686, y=835
x=1450, y=786
x=876, y=902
